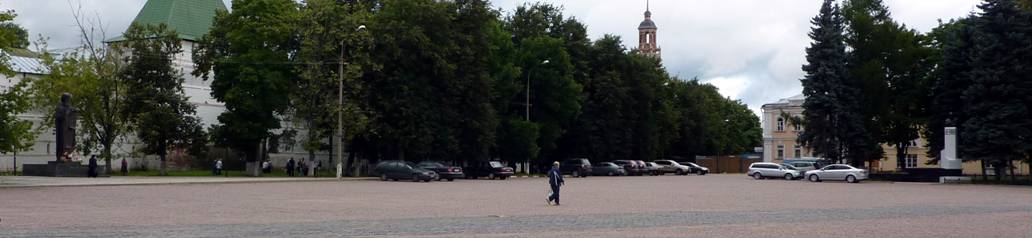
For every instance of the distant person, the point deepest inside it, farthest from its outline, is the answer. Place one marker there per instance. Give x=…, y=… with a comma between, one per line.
x=318, y=166
x=92, y=173
x=290, y=167
x=125, y=168
x=266, y=167
x=555, y=179
x=218, y=167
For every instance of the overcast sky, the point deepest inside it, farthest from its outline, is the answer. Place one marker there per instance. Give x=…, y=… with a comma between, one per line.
x=751, y=49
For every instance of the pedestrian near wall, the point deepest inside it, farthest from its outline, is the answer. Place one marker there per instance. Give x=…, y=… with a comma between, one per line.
x=290, y=167
x=555, y=180
x=92, y=173
x=125, y=168
x=218, y=166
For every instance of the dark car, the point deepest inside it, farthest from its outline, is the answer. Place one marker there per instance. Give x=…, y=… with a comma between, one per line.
x=608, y=169
x=443, y=171
x=631, y=167
x=644, y=167
x=489, y=169
x=695, y=168
x=579, y=167
x=396, y=169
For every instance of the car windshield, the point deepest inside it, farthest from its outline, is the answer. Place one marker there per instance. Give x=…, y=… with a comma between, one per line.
x=790, y=167
x=495, y=164
x=691, y=164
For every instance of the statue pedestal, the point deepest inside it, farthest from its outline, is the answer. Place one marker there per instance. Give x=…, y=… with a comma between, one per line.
x=59, y=169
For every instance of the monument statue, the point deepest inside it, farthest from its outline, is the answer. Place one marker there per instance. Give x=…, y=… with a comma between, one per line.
x=65, y=119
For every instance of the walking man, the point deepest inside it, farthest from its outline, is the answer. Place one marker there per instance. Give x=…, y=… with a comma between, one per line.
x=555, y=179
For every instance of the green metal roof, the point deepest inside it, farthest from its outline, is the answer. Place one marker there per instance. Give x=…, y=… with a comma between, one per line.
x=190, y=18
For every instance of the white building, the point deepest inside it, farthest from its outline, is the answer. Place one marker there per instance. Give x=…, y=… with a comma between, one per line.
x=191, y=19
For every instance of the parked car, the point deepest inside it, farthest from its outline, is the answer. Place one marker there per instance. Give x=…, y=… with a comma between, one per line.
x=760, y=170
x=396, y=169
x=653, y=168
x=642, y=165
x=579, y=167
x=670, y=166
x=443, y=171
x=802, y=166
x=631, y=167
x=490, y=169
x=695, y=168
x=608, y=169
x=837, y=172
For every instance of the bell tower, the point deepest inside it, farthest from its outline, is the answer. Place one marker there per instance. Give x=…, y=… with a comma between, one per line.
x=647, y=35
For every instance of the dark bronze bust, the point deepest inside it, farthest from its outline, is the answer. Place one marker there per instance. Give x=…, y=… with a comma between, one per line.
x=64, y=125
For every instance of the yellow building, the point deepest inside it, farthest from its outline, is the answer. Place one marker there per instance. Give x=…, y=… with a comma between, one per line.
x=779, y=139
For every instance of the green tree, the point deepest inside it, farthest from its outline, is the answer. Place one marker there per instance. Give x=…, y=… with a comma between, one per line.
x=160, y=113
x=433, y=88
x=541, y=33
x=250, y=53
x=12, y=35
x=91, y=74
x=331, y=32
x=997, y=100
x=15, y=134
x=954, y=50
x=888, y=64
x=829, y=115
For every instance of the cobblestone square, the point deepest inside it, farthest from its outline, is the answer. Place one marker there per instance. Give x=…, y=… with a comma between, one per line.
x=666, y=206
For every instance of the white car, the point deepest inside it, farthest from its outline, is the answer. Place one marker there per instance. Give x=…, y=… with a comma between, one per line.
x=837, y=172
x=762, y=170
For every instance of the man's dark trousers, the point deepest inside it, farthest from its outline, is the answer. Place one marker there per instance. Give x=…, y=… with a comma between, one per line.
x=555, y=194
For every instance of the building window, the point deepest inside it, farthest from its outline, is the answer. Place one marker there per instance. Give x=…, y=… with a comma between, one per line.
x=798, y=151
x=781, y=124
x=781, y=151
x=909, y=162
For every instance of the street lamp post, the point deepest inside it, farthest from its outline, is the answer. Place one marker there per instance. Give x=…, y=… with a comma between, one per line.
x=721, y=147
x=340, y=109
x=526, y=105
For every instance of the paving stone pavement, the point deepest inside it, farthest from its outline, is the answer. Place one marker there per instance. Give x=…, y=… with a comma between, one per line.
x=666, y=206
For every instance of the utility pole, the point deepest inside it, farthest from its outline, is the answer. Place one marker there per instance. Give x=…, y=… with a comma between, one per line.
x=340, y=109
x=340, y=114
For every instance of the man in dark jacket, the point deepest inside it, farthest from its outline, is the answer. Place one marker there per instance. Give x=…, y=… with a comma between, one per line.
x=555, y=179
x=92, y=173
x=290, y=167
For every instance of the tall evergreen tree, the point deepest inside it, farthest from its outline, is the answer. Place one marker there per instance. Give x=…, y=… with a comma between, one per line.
x=161, y=115
x=997, y=100
x=830, y=116
x=955, y=45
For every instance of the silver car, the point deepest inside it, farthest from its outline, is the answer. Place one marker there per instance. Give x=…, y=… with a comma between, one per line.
x=762, y=170
x=670, y=166
x=837, y=172
x=802, y=166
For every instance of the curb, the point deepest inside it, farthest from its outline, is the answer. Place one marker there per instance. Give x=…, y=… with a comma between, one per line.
x=3, y=186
